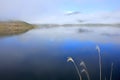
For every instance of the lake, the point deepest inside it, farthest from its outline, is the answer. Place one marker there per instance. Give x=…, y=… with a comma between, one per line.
x=41, y=53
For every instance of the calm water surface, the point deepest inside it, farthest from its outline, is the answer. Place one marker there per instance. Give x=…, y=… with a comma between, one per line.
x=41, y=54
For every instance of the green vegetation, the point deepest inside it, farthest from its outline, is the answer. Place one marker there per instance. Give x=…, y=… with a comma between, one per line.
x=14, y=27
x=84, y=67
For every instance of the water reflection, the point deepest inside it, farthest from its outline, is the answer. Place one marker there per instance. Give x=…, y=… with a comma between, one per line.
x=41, y=54
x=95, y=34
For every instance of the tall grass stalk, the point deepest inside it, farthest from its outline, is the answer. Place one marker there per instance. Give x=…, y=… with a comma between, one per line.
x=82, y=63
x=86, y=72
x=70, y=59
x=111, y=71
x=100, y=64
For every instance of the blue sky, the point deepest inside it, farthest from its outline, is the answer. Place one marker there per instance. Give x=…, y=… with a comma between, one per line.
x=55, y=11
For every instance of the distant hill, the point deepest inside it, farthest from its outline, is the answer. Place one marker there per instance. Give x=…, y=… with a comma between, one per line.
x=14, y=27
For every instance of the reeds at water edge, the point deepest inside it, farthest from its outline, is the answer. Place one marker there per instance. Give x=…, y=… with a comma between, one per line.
x=100, y=64
x=86, y=72
x=70, y=59
x=82, y=63
x=111, y=71
x=84, y=67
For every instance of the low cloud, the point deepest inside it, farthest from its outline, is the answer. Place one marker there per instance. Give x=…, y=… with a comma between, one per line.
x=60, y=11
x=72, y=13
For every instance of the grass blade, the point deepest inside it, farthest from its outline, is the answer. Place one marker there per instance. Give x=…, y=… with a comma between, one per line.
x=86, y=72
x=111, y=71
x=70, y=59
x=82, y=63
x=100, y=64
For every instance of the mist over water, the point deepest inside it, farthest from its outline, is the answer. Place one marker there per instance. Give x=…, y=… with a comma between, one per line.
x=41, y=54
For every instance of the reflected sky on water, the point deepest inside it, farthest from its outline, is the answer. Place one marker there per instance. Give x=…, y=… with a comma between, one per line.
x=41, y=54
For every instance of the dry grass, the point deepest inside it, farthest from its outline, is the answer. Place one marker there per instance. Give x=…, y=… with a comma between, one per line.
x=86, y=72
x=70, y=59
x=84, y=69
x=83, y=65
x=15, y=27
x=111, y=71
x=100, y=64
